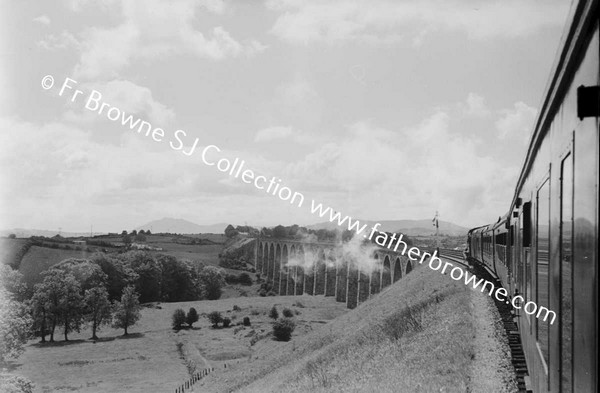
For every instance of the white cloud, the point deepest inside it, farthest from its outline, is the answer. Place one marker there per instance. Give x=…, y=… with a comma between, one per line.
x=42, y=19
x=517, y=124
x=127, y=97
x=388, y=21
x=271, y=133
x=475, y=106
x=156, y=29
x=64, y=40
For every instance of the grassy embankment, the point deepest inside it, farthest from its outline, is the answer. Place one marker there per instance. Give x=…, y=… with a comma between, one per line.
x=416, y=336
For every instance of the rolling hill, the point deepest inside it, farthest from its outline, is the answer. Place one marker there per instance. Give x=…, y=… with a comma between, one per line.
x=179, y=225
x=408, y=227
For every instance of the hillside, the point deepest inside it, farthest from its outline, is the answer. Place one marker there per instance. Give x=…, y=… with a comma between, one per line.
x=425, y=333
x=408, y=227
x=179, y=225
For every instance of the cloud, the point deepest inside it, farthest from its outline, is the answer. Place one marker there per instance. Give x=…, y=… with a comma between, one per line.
x=517, y=124
x=127, y=96
x=64, y=40
x=387, y=21
x=475, y=106
x=42, y=19
x=155, y=29
x=271, y=133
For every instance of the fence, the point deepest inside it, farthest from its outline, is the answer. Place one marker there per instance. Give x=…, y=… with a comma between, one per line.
x=195, y=378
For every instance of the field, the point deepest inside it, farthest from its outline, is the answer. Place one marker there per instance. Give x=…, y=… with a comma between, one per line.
x=39, y=259
x=156, y=358
x=9, y=248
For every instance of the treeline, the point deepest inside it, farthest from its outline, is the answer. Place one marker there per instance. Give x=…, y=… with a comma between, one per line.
x=295, y=232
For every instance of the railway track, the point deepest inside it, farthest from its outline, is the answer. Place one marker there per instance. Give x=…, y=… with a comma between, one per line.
x=506, y=313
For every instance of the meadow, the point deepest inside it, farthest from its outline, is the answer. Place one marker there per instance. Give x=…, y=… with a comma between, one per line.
x=155, y=357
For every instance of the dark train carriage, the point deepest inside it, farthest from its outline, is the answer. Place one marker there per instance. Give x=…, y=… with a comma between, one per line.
x=546, y=248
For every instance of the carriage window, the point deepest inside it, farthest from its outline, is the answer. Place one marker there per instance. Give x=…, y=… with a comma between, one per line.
x=566, y=273
x=542, y=258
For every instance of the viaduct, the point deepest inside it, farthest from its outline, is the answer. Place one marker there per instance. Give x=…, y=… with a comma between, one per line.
x=295, y=268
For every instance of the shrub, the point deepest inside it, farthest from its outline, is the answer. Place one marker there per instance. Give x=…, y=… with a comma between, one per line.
x=297, y=312
x=283, y=328
x=246, y=321
x=226, y=322
x=192, y=316
x=273, y=314
x=178, y=318
x=262, y=293
x=215, y=318
x=299, y=305
x=287, y=313
x=236, y=308
x=254, y=312
x=243, y=293
x=271, y=293
x=245, y=279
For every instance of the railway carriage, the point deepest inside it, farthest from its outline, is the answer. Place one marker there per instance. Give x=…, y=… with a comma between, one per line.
x=545, y=248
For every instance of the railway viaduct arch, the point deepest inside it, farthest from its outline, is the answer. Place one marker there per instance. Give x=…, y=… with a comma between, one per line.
x=294, y=268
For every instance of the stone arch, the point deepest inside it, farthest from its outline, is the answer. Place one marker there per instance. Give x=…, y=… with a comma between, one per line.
x=265, y=261
x=299, y=290
x=320, y=269
x=259, y=252
x=386, y=275
x=330, y=273
x=376, y=275
x=277, y=269
x=341, y=281
x=271, y=263
x=283, y=282
x=352, y=291
x=409, y=267
x=397, y=269
x=309, y=272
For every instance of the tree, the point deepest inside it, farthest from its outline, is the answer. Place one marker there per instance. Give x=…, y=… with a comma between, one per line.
x=212, y=279
x=48, y=298
x=215, y=318
x=124, y=233
x=230, y=231
x=178, y=319
x=280, y=232
x=283, y=328
x=98, y=308
x=127, y=311
x=15, y=323
x=12, y=236
x=133, y=233
x=192, y=316
x=119, y=274
x=273, y=314
x=149, y=272
x=71, y=306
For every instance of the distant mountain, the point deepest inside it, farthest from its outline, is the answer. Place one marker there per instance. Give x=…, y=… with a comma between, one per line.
x=23, y=233
x=408, y=227
x=179, y=225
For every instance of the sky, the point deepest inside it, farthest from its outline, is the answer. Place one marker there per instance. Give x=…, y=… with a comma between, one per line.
x=383, y=110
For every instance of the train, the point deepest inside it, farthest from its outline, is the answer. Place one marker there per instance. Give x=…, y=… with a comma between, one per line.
x=544, y=249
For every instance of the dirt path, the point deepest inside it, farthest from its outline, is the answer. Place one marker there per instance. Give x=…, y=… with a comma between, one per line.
x=492, y=370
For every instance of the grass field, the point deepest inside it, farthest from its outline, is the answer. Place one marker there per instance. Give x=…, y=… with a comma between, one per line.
x=39, y=259
x=9, y=248
x=150, y=360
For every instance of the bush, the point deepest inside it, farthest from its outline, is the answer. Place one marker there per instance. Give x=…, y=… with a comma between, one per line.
x=178, y=318
x=273, y=314
x=254, y=312
x=192, y=316
x=262, y=293
x=236, y=308
x=215, y=318
x=245, y=279
x=226, y=322
x=287, y=313
x=271, y=293
x=246, y=321
x=283, y=328
x=299, y=305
